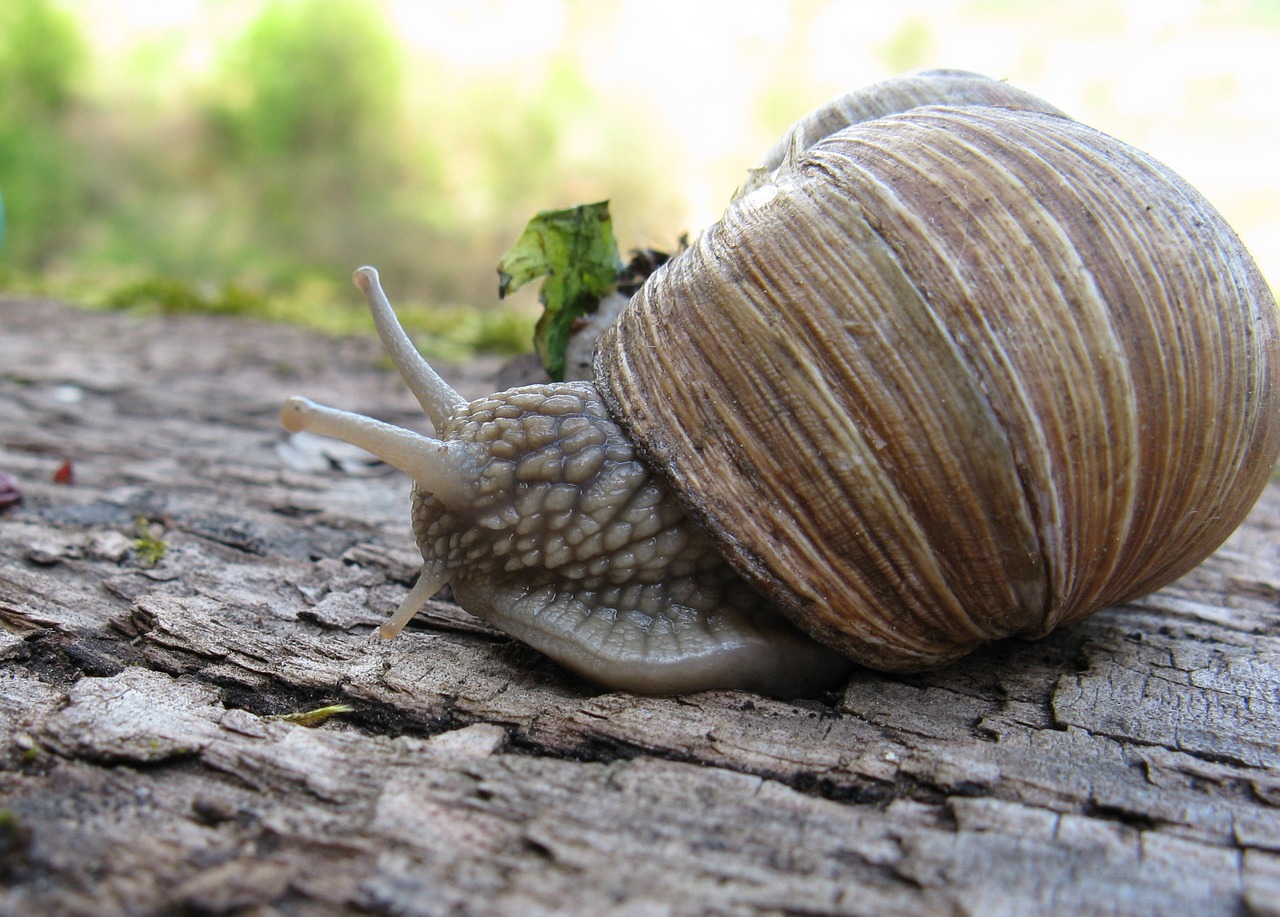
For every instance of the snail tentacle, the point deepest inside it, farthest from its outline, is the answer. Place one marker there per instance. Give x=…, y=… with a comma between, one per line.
x=436, y=396
x=443, y=469
x=430, y=580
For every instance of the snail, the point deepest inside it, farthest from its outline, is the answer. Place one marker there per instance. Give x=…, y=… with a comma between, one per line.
x=952, y=367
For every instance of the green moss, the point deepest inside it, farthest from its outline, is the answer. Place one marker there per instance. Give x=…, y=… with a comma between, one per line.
x=450, y=332
x=148, y=547
x=170, y=295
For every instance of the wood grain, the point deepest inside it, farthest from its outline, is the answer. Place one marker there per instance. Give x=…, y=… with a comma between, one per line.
x=1128, y=764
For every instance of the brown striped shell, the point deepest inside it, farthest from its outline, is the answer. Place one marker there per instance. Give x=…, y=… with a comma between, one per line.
x=957, y=373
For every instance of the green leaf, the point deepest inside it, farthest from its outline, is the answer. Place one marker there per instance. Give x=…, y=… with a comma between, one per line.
x=576, y=252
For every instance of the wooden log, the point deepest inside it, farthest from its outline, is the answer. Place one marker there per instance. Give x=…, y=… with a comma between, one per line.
x=1128, y=764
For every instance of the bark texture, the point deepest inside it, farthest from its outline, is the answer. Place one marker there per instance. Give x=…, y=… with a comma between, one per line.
x=1125, y=765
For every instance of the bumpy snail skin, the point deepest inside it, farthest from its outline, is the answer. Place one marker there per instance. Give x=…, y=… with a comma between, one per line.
x=533, y=507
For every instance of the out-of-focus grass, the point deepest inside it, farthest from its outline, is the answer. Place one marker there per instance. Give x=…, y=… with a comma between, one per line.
x=254, y=186
x=446, y=332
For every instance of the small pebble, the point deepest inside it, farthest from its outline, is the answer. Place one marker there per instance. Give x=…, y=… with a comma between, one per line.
x=10, y=492
x=66, y=393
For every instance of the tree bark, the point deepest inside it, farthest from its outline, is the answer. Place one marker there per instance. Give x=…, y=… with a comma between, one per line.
x=1125, y=765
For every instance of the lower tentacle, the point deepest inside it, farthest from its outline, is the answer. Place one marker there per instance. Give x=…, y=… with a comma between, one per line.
x=428, y=584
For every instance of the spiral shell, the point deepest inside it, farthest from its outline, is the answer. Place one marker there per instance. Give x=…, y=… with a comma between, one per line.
x=957, y=373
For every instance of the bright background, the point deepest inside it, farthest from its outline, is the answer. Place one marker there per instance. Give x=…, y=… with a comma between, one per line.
x=244, y=155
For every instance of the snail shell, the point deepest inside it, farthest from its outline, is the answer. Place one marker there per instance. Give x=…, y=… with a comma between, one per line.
x=955, y=374
x=952, y=367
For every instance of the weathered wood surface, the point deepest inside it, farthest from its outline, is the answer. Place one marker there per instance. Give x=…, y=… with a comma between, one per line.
x=1128, y=765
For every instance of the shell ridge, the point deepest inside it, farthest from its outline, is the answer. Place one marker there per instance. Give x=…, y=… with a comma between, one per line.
x=1175, y=243
x=909, y=566
x=1031, y=494
x=1103, y=480
x=878, y=469
x=979, y=240
x=759, y=278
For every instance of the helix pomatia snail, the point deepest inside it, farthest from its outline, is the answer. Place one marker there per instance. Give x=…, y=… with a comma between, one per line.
x=952, y=367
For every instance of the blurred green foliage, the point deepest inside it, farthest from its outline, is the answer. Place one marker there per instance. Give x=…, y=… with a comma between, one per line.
x=302, y=112
x=267, y=104
x=44, y=188
x=170, y=295
x=247, y=155
x=256, y=185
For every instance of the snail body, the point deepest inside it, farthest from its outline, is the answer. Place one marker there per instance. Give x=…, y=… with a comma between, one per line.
x=952, y=367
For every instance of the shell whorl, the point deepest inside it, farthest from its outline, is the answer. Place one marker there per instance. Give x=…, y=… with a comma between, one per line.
x=956, y=374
